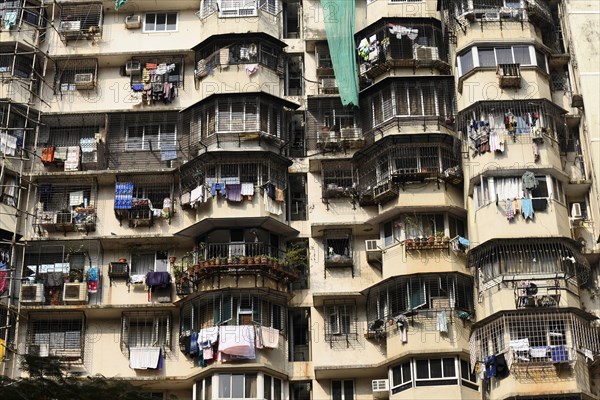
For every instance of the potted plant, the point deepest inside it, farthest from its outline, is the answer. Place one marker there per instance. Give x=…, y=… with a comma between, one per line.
x=75, y=275
x=439, y=236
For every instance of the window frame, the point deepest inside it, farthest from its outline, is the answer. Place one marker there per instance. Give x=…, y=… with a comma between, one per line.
x=221, y=378
x=437, y=381
x=166, y=24
x=468, y=379
x=160, y=264
x=405, y=384
x=343, y=388
x=535, y=58
x=130, y=142
x=152, y=321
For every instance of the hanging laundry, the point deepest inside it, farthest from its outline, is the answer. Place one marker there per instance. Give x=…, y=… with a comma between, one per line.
x=272, y=206
x=442, y=321
x=527, y=207
x=402, y=324
x=251, y=69
x=10, y=19
x=198, y=195
x=516, y=206
x=234, y=192
x=529, y=180
x=247, y=189
x=119, y=4
x=490, y=366
x=145, y=357
x=494, y=140
x=193, y=344
x=509, y=212
x=279, y=195
x=270, y=190
x=536, y=152
x=237, y=340
x=217, y=188
x=76, y=198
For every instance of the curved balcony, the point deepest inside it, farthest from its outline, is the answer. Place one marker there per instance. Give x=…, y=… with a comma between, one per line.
x=254, y=63
x=544, y=349
x=528, y=274
x=241, y=121
x=236, y=265
x=396, y=44
x=407, y=310
x=392, y=164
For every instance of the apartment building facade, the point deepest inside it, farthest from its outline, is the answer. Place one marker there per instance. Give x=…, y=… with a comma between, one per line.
x=207, y=199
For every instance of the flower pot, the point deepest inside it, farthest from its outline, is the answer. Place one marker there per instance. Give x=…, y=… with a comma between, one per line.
x=172, y=259
x=123, y=260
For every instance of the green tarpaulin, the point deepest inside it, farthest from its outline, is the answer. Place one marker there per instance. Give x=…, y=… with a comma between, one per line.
x=339, y=26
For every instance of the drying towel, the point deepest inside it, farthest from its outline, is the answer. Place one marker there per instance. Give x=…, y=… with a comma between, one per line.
x=527, y=208
x=208, y=335
x=519, y=344
x=76, y=198
x=516, y=206
x=536, y=152
x=272, y=206
x=540, y=351
x=494, y=141
x=234, y=191
x=251, y=69
x=144, y=357
x=137, y=278
x=247, y=189
x=279, y=195
x=267, y=337
x=442, y=321
x=237, y=340
x=197, y=196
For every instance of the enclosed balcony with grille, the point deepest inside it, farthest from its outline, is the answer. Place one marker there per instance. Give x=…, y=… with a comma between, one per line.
x=80, y=21
x=399, y=43
x=332, y=128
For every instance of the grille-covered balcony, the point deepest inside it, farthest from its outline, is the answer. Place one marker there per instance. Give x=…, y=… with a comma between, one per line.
x=397, y=43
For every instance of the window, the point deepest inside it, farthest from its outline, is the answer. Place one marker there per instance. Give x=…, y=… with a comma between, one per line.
x=340, y=322
x=421, y=225
x=504, y=188
x=150, y=137
x=436, y=372
x=337, y=179
x=272, y=388
x=9, y=190
x=338, y=248
x=342, y=390
x=57, y=335
x=492, y=56
x=160, y=22
x=146, y=329
x=142, y=263
x=237, y=386
x=467, y=377
x=401, y=377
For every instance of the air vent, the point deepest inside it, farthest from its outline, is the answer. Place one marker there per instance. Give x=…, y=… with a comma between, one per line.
x=372, y=245
x=381, y=388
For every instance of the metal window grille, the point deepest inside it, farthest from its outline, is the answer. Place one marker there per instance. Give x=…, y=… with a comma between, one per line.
x=57, y=334
x=234, y=169
x=528, y=256
x=426, y=292
x=75, y=74
x=76, y=19
x=324, y=122
x=148, y=132
x=405, y=162
x=298, y=197
x=337, y=179
x=65, y=197
x=550, y=118
x=244, y=308
x=153, y=188
x=341, y=322
x=338, y=248
x=146, y=329
x=536, y=338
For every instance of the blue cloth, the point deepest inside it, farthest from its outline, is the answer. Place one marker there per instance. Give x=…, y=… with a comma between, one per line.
x=270, y=190
x=217, y=187
x=93, y=274
x=463, y=241
x=162, y=279
x=527, y=208
x=559, y=354
x=193, y=343
x=490, y=366
x=137, y=87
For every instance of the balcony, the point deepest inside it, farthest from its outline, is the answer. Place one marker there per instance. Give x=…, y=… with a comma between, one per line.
x=80, y=21
x=509, y=75
x=235, y=265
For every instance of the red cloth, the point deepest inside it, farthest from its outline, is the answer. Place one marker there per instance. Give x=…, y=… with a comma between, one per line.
x=3, y=275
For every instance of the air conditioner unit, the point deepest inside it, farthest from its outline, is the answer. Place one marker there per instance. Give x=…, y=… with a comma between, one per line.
x=70, y=26
x=84, y=81
x=426, y=53
x=32, y=293
x=133, y=67
x=372, y=245
x=75, y=293
x=40, y=350
x=328, y=83
x=133, y=21
x=381, y=388
x=576, y=211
